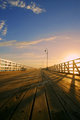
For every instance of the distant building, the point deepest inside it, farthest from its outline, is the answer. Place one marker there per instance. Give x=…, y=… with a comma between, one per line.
x=7, y=65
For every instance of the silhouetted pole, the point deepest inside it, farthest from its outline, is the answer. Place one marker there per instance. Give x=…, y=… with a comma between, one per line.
x=46, y=51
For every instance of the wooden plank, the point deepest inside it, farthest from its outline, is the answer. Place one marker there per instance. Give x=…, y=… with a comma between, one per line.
x=11, y=103
x=24, y=109
x=40, y=109
x=57, y=111
x=10, y=106
x=14, y=86
x=67, y=99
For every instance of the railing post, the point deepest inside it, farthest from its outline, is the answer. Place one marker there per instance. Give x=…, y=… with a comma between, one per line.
x=73, y=66
x=56, y=68
x=59, y=67
x=0, y=65
x=68, y=67
x=64, y=67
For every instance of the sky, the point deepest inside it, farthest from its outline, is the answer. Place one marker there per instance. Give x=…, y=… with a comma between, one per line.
x=28, y=27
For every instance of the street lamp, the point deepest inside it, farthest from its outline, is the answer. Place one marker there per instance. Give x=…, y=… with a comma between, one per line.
x=46, y=51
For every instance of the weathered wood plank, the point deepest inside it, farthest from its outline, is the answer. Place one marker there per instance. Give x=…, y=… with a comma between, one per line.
x=15, y=85
x=40, y=109
x=67, y=99
x=10, y=106
x=24, y=109
x=57, y=112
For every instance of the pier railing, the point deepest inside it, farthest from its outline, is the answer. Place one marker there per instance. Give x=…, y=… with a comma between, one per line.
x=7, y=65
x=72, y=66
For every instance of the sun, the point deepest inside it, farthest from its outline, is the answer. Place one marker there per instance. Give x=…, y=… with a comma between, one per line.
x=72, y=57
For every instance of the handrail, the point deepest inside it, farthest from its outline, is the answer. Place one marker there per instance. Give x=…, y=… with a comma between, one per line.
x=72, y=66
x=7, y=65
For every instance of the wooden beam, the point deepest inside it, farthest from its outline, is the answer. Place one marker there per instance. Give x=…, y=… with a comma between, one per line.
x=61, y=68
x=76, y=67
x=73, y=66
x=64, y=67
x=68, y=68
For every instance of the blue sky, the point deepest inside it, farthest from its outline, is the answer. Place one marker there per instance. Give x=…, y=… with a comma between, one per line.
x=27, y=27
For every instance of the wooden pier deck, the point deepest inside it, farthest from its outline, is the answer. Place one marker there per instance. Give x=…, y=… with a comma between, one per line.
x=39, y=95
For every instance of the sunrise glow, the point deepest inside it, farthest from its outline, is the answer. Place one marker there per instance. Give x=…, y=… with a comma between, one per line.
x=71, y=57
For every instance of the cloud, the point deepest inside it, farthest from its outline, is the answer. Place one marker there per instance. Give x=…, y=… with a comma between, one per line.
x=3, y=29
x=49, y=39
x=2, y=23
x=3, y=4
x=17, y=3
x=35, y=8
x=0, y=38
x=4, y=32
x=8, y=43
x=20, y=3
x=26, y=43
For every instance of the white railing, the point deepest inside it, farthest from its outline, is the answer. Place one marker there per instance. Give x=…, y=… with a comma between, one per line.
x=7, y=65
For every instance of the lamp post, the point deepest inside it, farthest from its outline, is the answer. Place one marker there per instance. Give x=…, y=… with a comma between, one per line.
x=46, y=51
